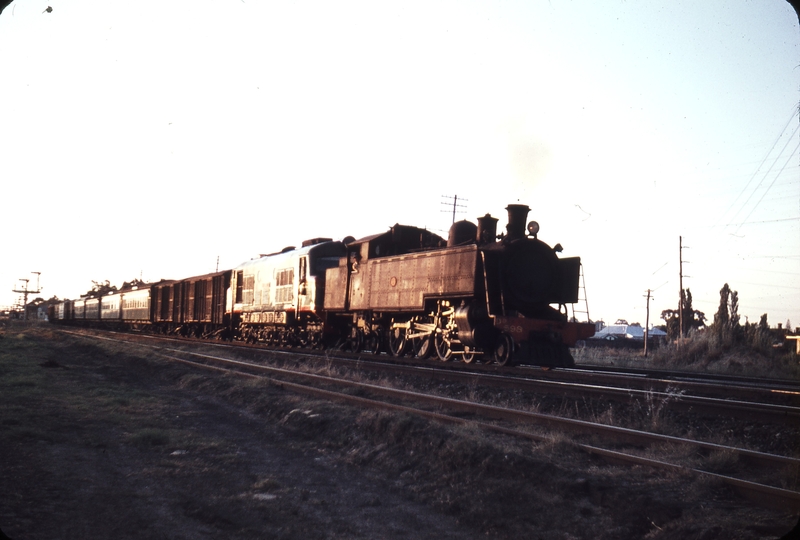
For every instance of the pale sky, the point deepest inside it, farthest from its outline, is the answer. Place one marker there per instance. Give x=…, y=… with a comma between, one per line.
x=148, y=139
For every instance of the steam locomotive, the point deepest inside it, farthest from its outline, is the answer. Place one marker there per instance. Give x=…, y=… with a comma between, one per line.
x=478, y=296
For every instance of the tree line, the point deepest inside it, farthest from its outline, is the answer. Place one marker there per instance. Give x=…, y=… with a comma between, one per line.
x=726, y=329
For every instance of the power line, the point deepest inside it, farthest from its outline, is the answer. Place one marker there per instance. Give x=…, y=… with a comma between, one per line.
x=766, y=221
x=791, y=116
x=768, y=285
x=766, y=173
x=455, y=205
x=773, y=182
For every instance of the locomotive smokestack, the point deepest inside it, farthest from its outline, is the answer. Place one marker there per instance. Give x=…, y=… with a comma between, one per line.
x=487, y=229
x=517, y=214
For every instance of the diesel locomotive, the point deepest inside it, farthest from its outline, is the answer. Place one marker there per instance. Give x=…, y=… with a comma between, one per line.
x=477, y=296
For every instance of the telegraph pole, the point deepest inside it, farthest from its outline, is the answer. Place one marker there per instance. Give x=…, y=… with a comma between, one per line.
x=682, y=303
x=25, y=292
x=680, y=284
x=455, y=204
x=647, y=323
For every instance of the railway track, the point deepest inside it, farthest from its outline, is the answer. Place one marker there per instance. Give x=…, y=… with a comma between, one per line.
x=509, y=421
x=688, y=376
x=772, y=403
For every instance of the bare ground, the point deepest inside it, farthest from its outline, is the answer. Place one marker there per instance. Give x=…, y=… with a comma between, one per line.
x=104, y=441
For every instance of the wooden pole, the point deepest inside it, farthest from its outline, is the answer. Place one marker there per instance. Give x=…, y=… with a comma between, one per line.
x=680, y=281
x=647, y=322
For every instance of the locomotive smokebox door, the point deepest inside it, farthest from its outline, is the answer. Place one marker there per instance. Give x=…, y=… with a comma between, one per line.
x=527, y=271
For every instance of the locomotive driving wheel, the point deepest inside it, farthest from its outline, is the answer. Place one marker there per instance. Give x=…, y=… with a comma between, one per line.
x=444, y=333
x=504, y=350
x=420, y=335
x=441, y=342
x=423, y=347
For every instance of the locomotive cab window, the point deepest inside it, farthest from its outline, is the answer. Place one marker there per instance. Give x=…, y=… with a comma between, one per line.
x=303, y=269
x=239, y=286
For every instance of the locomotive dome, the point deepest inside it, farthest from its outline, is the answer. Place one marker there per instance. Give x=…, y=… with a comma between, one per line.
x=461, y=232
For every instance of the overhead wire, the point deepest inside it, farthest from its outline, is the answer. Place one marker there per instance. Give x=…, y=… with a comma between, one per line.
x=794, y=152
x=767, y=173
x=792, y=114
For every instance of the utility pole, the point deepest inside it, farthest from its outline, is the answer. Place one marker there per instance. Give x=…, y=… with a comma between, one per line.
x=682, y=303
x=680, y=284
x=25, y=292
x=647, y=323
x=455, y=204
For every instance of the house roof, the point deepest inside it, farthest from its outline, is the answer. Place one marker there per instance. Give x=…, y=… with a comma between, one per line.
x=627, y=331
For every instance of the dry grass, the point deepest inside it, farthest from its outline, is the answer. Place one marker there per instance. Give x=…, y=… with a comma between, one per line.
x=608, y=356
x=700, y=352
x=497, y=486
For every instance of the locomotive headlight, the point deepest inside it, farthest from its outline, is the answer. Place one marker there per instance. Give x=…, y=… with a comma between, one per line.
x=533, y=228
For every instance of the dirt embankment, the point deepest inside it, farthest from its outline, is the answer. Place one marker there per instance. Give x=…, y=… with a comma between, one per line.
x=104, y=441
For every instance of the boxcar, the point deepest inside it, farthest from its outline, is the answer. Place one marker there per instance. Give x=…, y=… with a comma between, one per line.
x=194, y=306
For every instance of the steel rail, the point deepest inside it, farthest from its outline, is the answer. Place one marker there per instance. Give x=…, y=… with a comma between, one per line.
x=700, y=380
x=742, y=409
x=764, y=495
x=618, y=433
x=745, y=409
x=788, y=384
x=708, y=387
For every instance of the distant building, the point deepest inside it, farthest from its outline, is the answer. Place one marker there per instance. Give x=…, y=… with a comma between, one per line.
x=623, y=330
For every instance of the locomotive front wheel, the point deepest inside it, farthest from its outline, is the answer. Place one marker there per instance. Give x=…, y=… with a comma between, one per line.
x=397, y=341
x=504, y=350
x=442, y=346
